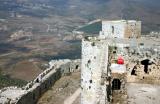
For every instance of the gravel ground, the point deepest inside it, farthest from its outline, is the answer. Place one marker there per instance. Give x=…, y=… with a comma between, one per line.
x=63, y=89
x=66, y=86
x=72, y=99
x=143, y=94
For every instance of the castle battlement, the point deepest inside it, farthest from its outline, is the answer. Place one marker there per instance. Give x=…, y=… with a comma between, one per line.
x=30, y=93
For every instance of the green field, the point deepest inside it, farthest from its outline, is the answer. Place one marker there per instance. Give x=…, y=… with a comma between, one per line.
x=6, y=81
x=92, y=28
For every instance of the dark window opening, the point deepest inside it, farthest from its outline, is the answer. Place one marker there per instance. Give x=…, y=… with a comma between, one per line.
x=90, y=81
x=115, y=48
x=114, y=52
x=133, y=72
x=141, y=44
x=146, y=63
x=93, y=44
x=112, y=29
x=77, y=66
x=37, y=80
x=89, y=61
x=30, y=85
x=116, y=84
x=89, y=87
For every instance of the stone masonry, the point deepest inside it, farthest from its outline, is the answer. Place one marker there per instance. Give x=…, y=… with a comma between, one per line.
x=103, y=79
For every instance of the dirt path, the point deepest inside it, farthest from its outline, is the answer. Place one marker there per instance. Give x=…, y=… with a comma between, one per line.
x=73, y=97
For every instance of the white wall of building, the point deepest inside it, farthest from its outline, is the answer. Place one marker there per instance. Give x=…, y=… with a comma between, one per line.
x=113, y=28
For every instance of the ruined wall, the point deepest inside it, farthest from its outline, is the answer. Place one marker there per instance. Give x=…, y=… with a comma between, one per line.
x=135, y=59
x=33, y=94
x=97, y=59
x=133, y=29
x=134, y=55
x=34, y=89
x=94, y=64
x=140, y=76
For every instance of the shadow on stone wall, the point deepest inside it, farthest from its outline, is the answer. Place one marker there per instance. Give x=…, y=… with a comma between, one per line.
x=36, y=91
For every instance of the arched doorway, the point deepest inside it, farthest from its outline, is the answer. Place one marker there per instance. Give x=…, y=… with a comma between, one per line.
x=116, y=84
x=133, y=72
x=146, y=62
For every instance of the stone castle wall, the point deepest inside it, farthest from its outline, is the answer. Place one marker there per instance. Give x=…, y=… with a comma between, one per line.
x=34, y=90
x=94, y=63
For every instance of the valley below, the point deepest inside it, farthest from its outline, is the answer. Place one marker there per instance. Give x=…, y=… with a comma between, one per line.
x=34, y=32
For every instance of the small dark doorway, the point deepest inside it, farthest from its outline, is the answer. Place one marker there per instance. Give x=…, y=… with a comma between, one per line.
x=133, y=72
x=77, y=66
x=116, y=84
x=146, y=62
x=37, y=80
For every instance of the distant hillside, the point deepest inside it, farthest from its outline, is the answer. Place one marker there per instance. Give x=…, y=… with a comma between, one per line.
x=144, y=10
x=93, y=28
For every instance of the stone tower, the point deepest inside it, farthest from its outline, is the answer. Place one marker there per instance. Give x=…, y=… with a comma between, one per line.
x=102, y=76
x=121, y=29
x=94, y=64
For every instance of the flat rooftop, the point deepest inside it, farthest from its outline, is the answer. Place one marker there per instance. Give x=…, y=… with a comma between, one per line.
x=146, y=41
x=120, y=21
